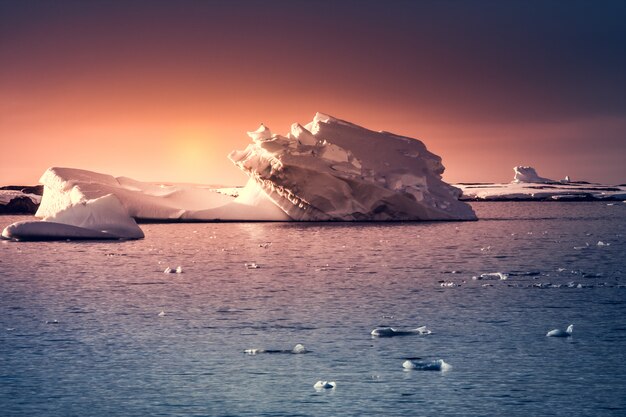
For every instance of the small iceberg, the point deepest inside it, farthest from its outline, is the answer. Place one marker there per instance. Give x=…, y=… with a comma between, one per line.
x=492, y=276
x=561, y=333
x=436, y=365
x=297, y=349
x=177, y=270
x=322, y=385
x=391, y=332
x=161, y=314
x=252, y=265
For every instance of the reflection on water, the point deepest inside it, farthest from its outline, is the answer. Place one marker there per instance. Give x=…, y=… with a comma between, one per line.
x=325, y=286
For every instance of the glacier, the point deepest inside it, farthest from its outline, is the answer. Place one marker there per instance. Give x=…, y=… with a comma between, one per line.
x=326, y=170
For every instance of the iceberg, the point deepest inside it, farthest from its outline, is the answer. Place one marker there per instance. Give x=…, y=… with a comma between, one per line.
x=327, y=170
x=100, y=218
x=333, y=170
x=527, y=185
x=528, y=174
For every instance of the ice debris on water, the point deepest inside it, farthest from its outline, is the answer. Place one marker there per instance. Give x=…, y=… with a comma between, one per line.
x=491, y=276
x=161, y=314
x=252, y=265
x=321, y=385
x=448, y=284
x=391, y=332
x=561, y=333
x=297, y=349
x=177, y=270
x=436, y=365
x=601, y=243
x=55, y=321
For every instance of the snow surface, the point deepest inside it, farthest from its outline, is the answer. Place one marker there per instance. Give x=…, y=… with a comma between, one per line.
x=521, y=189
x=100, y=218
x=331, y=169
x=64, y=187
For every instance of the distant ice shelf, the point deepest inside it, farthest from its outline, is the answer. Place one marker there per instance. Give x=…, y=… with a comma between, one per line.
x=527, y=185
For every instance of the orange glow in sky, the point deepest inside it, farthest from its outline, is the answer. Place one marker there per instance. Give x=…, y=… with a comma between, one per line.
x=163, y=91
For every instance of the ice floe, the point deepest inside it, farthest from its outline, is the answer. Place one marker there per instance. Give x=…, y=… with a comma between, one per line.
x=322, y=385
x=296, y=350
x=177, y=270
x=419, y=365
x=491, y=276
x=561, y=333
x=391, y=332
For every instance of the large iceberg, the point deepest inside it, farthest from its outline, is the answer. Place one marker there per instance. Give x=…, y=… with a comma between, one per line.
x=330, y=169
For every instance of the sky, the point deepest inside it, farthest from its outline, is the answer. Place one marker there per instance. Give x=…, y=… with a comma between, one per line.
x=164, y=90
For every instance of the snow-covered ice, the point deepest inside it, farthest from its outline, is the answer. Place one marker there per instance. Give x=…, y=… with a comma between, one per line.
x=100, y=218
x=561, y=333
x=436, y=365
x=391, y=332
x=528, y=185
x=321, y=385
x=331, y=169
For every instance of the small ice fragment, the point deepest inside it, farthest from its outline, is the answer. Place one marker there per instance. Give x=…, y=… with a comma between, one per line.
x=253, y=351
x=561, y=333
x=55, y=321
x=162, y=314
x=436, y=365
x=601, y=243
x=265, y=245
x=177, y=270
x=299, y=348
x=448, y=284
x=10, y=329
x=320, y=385
x=391, y=332
x=492, y=275
x=560, y=270
x=252, y=265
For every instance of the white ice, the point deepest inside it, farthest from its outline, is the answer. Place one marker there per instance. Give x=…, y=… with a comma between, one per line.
x=100, y=218
x=391, y=332
x=561, y=333
x=436, y=365
x=321, y=385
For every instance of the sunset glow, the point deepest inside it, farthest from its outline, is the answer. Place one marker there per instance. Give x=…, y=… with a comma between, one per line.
x=164, y=92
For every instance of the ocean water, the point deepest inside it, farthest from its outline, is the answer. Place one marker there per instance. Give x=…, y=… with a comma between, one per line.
x=81, y=334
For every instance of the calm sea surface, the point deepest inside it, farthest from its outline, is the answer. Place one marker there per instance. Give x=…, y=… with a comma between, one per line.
x=325, y=286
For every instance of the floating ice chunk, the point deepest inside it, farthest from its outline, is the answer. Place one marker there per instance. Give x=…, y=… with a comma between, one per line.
x=252, y=265
x=265, y=245
x=492, y=276
x=448, y=284
x=177, y=270
x=55, y=321
x=296, y=350
x=601, y=243
x=582, y=247
x=561, y=333
x=391, y=332
x=161, y=314
x=436, y=365
x=299, y=348
x=321, y=385
x=101, y=218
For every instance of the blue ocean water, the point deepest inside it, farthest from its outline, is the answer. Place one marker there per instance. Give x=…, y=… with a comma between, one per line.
x=81, y=334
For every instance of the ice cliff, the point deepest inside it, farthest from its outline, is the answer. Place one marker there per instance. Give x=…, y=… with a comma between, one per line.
x=330, y=169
